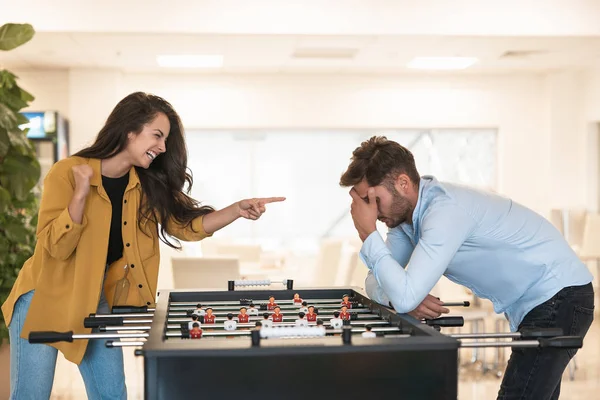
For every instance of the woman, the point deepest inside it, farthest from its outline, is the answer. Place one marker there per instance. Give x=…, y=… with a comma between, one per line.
x=101, y=216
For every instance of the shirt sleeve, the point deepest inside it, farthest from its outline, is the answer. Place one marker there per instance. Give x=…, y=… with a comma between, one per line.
x=443, y=230
x=397, y=245
x=56, y=231
x=192, y=232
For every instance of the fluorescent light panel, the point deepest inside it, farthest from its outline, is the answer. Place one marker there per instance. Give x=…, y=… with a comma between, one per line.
x=442, y=63
x=190, y=61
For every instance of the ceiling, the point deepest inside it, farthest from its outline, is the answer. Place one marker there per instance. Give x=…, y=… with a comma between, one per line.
x=281, y=54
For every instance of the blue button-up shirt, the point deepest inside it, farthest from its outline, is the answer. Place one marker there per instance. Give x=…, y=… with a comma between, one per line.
x=499, y=249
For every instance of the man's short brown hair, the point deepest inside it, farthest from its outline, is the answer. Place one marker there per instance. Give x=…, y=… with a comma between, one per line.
x=379, y=159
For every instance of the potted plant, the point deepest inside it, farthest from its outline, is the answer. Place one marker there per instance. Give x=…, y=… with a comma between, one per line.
x=19, y=175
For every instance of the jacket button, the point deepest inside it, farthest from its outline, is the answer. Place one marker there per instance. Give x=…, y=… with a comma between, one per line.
x=140, y=285
x=67, y=226
x=125, y=201
x=127, y=244
x=148, y=303
x=132, y=266
x=125, y=223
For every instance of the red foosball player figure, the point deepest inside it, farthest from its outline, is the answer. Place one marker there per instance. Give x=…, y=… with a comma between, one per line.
x=271, y=304
x=243, y=317
x=344, y=314
x=266, y=322
x=209, y=318
x=311, y=316
x=196, y=332
x=346, y=301
x=301, y=321
x=297, y=300
x=277, y=315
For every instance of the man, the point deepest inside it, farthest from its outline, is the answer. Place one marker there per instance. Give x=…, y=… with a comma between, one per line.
x=499, y=249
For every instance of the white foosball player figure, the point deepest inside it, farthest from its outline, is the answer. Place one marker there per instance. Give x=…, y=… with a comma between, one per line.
x=266, y=322
x=301, y=321
x=304, y=307
x=199, y=310
x=193, y=321
x=252, y=311
x=230, y=324
x=320, y=326
x=368, y=333
x=336, y=322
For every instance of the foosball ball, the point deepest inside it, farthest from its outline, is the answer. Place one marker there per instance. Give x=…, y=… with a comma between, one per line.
x=288, y=344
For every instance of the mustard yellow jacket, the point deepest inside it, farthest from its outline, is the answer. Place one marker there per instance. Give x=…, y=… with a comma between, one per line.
x=68, y=266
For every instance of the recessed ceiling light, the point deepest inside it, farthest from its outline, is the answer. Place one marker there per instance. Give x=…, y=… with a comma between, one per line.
x=190, y=61
x=442, y=63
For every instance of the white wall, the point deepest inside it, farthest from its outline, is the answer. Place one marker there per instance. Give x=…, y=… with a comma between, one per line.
x=545, y=122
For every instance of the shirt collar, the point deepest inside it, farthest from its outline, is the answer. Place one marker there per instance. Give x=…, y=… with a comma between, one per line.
x=96, y=180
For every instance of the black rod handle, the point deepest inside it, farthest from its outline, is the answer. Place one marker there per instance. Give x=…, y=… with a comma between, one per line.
x=50, y=337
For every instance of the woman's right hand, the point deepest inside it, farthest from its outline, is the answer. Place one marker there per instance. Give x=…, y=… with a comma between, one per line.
x=82, y=174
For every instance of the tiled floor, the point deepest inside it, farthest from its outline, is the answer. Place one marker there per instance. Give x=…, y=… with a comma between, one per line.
x=473, y=385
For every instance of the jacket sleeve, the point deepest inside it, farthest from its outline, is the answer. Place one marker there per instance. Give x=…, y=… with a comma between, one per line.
x=192, y=232
x=56, y=231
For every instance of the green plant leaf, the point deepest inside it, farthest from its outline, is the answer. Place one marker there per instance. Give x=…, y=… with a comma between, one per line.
x=15, y=35
x=4, y=142
x=7, y=79
x=19, y=141
x=21, y=174
x=13, y=98
x=26, y=96
x=8, y=118
x=17, y=233
x=4, y=201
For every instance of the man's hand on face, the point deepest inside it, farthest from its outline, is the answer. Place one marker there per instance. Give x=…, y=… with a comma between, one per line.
x=364, y=213
x=430, y=308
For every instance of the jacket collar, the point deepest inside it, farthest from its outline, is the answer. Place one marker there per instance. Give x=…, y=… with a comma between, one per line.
x=96, y=180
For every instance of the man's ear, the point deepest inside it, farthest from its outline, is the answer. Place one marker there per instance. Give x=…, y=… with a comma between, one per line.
x=402, y=183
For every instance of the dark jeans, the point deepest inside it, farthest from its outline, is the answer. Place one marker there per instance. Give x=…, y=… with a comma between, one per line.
x=535, y=373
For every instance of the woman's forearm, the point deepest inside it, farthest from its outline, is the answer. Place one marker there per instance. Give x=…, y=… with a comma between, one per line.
x=219, y=219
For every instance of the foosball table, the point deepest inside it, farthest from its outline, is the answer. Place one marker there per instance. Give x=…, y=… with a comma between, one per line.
x=290, y=344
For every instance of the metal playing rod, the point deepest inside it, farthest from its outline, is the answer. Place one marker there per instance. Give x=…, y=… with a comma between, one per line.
x=53, y=337
x=524, y=334
x=112, y=343
x=245, y=302
x=248, y=332
x=252, y=325
x=567, y=342
x=457, y=304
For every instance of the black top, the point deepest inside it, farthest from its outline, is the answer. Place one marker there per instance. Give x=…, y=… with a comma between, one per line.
x=115, y=188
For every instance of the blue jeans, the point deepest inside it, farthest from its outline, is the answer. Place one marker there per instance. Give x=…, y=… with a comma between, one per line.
x=536, y=373
x=32, y=365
